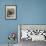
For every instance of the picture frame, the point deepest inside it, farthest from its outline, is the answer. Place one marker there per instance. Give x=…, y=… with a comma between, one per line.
x=10, y=12
x=37, y=29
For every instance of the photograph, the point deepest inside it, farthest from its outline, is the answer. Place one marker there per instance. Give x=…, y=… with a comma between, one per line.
x=10, y=12
x=32, y=32
x=29, y=34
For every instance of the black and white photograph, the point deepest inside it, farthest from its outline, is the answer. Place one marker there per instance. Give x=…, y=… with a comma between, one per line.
x=10, y=12
x=30, y=34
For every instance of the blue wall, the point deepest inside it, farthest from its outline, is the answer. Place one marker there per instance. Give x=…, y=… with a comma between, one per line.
x=28, y=12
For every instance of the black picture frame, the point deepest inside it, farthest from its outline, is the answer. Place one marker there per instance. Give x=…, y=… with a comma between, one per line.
x=14, y=15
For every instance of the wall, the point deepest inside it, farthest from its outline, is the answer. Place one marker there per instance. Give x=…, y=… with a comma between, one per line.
x=33, y=12
x=28, y=12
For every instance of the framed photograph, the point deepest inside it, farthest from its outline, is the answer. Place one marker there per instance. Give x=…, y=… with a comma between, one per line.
x=10, y=12
x=33, y=32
